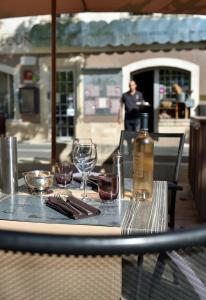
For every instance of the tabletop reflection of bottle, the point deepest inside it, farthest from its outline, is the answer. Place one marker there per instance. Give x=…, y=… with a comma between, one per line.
x=143, y=162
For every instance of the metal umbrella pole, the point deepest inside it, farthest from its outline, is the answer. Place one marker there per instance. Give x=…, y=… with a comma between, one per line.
x=53, y=88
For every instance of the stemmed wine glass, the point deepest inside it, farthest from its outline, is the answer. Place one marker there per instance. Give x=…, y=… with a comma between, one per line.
x=84, y=158
x=80, y=141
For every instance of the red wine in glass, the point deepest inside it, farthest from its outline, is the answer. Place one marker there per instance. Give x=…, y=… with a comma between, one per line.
x=63, y=173
x=108, y=187
x=63, y=179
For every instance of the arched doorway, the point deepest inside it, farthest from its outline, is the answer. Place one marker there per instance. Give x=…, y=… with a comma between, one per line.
x=154, y=64
x=156, y=86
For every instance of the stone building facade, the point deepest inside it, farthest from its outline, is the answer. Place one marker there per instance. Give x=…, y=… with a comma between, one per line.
x=95, y=61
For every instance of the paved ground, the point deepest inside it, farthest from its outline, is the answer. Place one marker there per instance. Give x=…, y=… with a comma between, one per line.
x=33, y=156
x=186, y=215
x=32, y=152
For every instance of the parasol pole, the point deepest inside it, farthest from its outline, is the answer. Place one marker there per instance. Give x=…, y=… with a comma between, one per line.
x=53, y=87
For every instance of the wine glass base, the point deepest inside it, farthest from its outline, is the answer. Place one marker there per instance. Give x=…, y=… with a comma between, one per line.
x=62, y=186
x=85, y=199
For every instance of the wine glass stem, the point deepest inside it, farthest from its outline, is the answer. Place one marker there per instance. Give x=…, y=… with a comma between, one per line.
x=84, y=177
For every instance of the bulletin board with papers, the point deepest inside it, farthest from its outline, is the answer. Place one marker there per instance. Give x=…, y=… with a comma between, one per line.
x=102, y=93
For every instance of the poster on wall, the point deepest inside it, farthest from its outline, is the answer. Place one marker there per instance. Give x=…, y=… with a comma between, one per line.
x=102, y=92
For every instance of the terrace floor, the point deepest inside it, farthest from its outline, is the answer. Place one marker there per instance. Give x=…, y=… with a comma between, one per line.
x=186, y=215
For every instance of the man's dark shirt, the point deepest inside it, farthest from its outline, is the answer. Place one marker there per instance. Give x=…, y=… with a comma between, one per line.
x=131, y=106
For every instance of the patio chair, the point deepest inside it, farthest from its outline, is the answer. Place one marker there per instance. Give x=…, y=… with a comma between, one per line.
x=168, y=150
x=46, y=266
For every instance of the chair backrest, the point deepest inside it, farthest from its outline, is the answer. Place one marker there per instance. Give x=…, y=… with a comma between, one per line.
x=168, y=150
x=43, y=266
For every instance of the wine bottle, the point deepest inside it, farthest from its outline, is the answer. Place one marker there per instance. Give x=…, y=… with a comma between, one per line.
x=143, y=162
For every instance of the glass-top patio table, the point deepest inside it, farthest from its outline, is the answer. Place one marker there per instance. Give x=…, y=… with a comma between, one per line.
x=29, y=212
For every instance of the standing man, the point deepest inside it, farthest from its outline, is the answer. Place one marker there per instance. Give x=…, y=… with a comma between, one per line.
x=131, y=100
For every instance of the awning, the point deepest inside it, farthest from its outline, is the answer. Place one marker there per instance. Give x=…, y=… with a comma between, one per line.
x=137, y=30
x=128, y=34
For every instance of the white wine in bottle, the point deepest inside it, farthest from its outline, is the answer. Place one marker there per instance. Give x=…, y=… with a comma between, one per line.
x=143, y=162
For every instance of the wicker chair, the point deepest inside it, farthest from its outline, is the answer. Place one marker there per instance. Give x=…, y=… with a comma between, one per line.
x=45, y=266
x=166, y=167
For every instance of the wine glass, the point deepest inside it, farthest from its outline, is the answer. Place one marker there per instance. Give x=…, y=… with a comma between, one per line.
x=63, y=173
x=108, y=186
x=80, y=141
x=84, y=158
